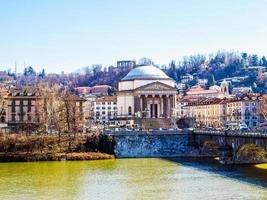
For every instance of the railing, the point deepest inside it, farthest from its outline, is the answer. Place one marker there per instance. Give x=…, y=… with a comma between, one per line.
x=233, y=133
x=141, y=132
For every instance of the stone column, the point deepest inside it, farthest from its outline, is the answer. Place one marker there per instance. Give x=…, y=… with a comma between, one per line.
x=145, y=105
x=153, y=106
x=141, y=103
x=136, y=104
x=171, y=105
x=168, y=106
x=165, y=101
x=160, y=106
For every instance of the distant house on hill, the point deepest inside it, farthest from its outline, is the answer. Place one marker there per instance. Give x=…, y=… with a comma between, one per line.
x=214, y=91
x=187, y=78
x=83, y=90
x=97, y=90
x=237, y=91
x=126, y=64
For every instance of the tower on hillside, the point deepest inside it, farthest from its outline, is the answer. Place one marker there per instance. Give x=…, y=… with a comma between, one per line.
x=225, y=87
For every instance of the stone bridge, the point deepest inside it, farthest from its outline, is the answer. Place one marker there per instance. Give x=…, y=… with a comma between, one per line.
x=229, y=142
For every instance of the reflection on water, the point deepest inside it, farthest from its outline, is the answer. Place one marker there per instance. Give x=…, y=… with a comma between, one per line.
x=261, y=166
x=131, y=179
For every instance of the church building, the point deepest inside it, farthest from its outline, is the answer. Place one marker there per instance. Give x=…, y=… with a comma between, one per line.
x=146, y=96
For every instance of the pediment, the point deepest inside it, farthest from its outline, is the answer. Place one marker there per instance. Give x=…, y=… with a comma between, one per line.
x=156, y=86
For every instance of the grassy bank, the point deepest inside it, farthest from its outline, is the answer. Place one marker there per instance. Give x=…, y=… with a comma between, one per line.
x=15, y=148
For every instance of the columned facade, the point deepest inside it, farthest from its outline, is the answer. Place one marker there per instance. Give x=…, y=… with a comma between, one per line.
x=155, y=106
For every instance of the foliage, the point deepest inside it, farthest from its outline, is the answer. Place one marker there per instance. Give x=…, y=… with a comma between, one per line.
x=251, y=153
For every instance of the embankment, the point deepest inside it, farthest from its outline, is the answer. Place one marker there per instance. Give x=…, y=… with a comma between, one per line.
x=15, y=147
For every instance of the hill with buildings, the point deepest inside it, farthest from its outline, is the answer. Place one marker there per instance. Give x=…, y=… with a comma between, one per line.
x=240, y=69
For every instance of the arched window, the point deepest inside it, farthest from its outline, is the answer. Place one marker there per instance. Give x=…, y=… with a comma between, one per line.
x=129, y=110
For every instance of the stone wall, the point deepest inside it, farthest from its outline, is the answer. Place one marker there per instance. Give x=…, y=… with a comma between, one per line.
x=134, y=144
x=150, y=145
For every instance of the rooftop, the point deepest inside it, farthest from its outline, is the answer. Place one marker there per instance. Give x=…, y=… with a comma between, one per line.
x=146, y=72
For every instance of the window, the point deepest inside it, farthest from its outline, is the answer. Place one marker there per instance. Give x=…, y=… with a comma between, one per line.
x=29, y=105
x=21, y=117
x=103, y=112
x=103, y=108
x=103, y=103
x=13, y=106
x=13, y=117
x=109, y=108
x=129, y=110
x=109, y=103
x=97, y=108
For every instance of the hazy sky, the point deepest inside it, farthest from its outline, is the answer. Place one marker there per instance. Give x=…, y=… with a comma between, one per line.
x=70, y=34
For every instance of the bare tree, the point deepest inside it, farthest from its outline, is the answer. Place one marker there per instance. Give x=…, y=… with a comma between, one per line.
x=262, y=108
x=52, y=117
x=3, y=105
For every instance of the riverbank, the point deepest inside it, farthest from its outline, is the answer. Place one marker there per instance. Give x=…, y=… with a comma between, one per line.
x=49, y=156
x=21, y=148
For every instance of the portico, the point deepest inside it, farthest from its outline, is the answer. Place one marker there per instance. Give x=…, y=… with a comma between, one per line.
x=155, y=100
x=154, y=106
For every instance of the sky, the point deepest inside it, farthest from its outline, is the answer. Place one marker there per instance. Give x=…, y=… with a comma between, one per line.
x=65, y=35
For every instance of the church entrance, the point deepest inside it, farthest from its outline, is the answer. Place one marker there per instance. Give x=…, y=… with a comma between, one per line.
x=153, y=110
x=156, y=110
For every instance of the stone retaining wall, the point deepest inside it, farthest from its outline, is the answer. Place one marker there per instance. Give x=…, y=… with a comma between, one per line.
x=150, y=145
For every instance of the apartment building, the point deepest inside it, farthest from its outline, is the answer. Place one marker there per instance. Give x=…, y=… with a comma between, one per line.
x=215, y=112
x=207, y=112
x=105, y=109
x=23, y=106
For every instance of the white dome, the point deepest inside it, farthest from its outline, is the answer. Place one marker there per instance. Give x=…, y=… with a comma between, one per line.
x=149, y=72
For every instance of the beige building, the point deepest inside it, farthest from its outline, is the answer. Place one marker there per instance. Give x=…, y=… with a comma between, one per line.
x=207, y=112
x=146, y=92
x=23, y=106
x=215, y=112
x=243, y=110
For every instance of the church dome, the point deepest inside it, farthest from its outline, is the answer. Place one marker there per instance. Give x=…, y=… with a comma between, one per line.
x=148, y=72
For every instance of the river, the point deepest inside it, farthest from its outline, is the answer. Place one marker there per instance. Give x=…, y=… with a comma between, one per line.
x=131, y=179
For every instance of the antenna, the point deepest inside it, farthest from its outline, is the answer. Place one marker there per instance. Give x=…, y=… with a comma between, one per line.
x=15, y=68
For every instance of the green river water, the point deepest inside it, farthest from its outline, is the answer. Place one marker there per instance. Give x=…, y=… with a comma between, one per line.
x=131, y=179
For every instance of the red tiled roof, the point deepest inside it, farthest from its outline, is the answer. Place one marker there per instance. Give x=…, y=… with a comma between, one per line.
x=202, y=92
x=107, y=99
